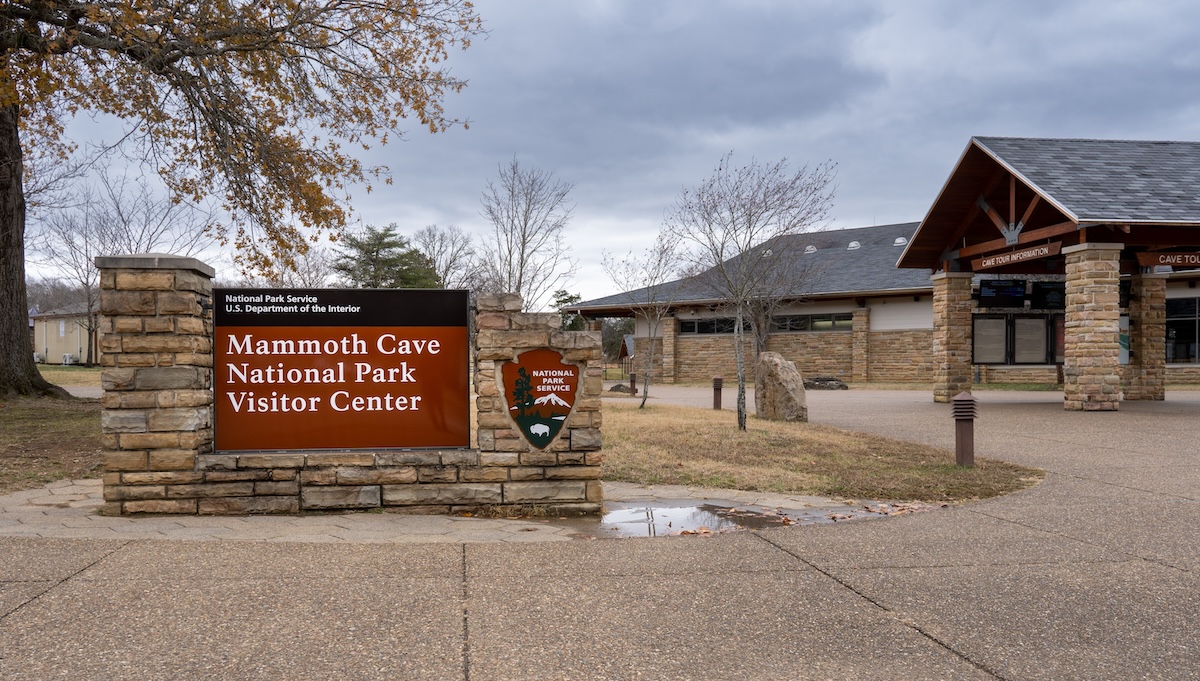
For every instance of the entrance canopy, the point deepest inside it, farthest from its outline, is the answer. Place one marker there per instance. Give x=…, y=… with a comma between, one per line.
x=1084, y=212
x=1009, y=195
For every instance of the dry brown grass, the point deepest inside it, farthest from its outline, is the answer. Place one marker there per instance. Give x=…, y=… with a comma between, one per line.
x=47, y=439
x=671, y=445
x=71, y=375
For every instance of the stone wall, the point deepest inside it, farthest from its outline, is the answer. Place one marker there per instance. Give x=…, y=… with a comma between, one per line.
x=901, y=356
x=822, y=353
x=157, y=421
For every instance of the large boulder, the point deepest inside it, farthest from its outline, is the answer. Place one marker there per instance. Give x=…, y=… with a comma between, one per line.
x=778, y=389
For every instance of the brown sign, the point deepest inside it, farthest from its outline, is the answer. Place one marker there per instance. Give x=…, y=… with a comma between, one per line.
x=1012, y=257
x=361, y=383
x=539, y=390
x=1172, y=259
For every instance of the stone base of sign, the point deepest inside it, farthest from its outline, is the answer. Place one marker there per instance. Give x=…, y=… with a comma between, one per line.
x=157, y=421
x=425, y=481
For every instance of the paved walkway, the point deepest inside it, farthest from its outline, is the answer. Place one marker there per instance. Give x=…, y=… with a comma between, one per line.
x=1093, y=574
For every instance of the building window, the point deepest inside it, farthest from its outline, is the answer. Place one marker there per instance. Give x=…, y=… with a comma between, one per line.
x=62, y=328
x=841, y=321
x=1017, y=339
x=1182, y=322
x=780, y=323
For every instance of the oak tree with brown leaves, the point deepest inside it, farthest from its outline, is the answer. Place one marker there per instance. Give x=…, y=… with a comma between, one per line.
x=264, y=103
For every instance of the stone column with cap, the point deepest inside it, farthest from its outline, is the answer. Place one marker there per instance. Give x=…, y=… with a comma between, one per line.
x=952, y=308
x=156, y=340
x=1091, y=352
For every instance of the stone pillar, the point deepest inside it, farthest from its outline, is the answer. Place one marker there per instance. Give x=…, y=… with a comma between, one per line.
x=952, y=308
x=670, y=327
x=1091, y=366
x=156, y=344
x=1145, y=375
x=860, y=359
x=566, y=475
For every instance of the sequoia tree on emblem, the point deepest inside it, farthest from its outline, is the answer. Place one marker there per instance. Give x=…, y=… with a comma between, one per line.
x=539, y=389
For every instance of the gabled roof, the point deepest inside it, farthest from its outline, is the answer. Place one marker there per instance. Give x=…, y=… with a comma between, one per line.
x=72, y=310
x=832, y=269
x=1106, y=181
x=1079, y=182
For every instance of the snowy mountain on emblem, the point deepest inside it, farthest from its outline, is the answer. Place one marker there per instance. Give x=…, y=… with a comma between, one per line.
x=552, y=399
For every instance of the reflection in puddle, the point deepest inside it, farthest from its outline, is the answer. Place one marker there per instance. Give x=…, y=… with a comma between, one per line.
x=638, y=519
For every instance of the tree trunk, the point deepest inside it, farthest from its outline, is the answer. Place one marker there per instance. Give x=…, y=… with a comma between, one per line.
x=649, y=366
x=18, y=373
x=739, y=359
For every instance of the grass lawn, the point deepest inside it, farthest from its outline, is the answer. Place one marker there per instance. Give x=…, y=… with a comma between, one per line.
x=42, y=440
x=664, y=444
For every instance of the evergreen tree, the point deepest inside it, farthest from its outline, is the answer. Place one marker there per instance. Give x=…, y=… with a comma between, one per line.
x=379, y=257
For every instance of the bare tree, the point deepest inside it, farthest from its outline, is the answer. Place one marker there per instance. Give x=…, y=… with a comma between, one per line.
x=452, y=252
x=115, y=216
x=646, y=279
x=525, y=252
x=736, y=222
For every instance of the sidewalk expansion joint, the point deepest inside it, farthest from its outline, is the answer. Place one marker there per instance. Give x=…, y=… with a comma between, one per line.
x=466, y=618
x=903, y=621
x=60, y=582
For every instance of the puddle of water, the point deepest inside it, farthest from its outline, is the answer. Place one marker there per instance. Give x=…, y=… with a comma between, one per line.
x=640, y=519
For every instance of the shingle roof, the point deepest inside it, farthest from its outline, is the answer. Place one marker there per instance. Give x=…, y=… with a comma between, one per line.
x=871, y=268
x=1107, y=180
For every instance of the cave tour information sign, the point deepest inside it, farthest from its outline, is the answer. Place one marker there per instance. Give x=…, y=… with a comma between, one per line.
x=340, y=369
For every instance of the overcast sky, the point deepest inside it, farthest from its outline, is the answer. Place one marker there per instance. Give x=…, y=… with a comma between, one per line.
x=632, y=100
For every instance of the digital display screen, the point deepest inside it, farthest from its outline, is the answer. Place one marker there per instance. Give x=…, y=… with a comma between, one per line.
x=1002, y=293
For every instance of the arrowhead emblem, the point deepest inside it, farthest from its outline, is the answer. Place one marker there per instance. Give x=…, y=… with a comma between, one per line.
x=539, y=390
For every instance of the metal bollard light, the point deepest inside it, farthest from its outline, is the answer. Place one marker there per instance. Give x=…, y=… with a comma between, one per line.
x=718, y=382
x=964, y=428
x=632, y=383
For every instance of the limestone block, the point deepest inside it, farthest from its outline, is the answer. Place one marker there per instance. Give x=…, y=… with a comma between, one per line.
x=575, y=340
x=148, y=440
x=483, y=474
x=160, y=343
x=134, y=492
x=116, y=303
x=173, y=506
x=127, y=324
x=539, y=459
x=499, y=302
x=236, y=476
x=187, y=280
x=573, y=473
x=189, y=326
x=270, y=461
x=409, y=459
x=182, y=303
x=536, y=321
x=145, y=281
x=216, y=462
x=168, y=378
x=486, y=439
x=569, y=458
x=461, y=493
x=118, y=379
x=437, y=473
x=492, y=320
x=124, y=359
x=162, y=478
x=779, y=389
x=595, y=492
x=172, y=459
x=340, y=497
x=216, y=489
x=282, y=487
x=583, y=439
x=461, y=457
x=188, y=418
x=249, y=505
x=340, y=459
x=318, y=476
x=499, y=458
x=123, y=421
x=522, y=473
x=376, y=476
x=545, y=491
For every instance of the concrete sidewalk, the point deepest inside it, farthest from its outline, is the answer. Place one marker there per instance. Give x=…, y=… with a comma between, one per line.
x=1093, y=574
